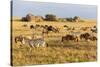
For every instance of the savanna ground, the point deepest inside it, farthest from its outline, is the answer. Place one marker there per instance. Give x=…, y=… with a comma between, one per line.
x=56, y=52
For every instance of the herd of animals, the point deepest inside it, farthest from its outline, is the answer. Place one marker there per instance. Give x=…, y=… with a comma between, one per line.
x=46, y=29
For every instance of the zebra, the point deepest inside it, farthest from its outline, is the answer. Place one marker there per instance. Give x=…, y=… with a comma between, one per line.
x=31, y=41
x=38, y=42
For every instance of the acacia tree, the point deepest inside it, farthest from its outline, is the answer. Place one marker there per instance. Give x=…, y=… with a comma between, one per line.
x=50, y=17
x=29, y=17
x=76, y=18
x=69, y=19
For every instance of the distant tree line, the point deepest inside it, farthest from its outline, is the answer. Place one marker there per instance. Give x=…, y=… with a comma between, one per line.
x=50, y=17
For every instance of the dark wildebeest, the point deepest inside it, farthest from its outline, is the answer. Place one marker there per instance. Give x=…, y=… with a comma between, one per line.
x=65, y=26
x=19, y=39
x=84, y=28
x=94, y=30
x=25, y=25
x=37, y=25
x=70, y=37
x=85, y=36
x=51, y=28
x=47, y=29
x=46, y=26
x=94, y=26
x=32, y=27
x=42, y=26
x=93, y=38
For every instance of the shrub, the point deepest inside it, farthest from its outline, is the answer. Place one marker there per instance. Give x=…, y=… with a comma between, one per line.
x=69, y=19
x=50, y=17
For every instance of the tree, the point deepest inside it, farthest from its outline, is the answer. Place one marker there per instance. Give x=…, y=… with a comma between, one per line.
x=50, y=17
x=69, y=19
x=76, y=18
x=29, y=17
x=24, y=19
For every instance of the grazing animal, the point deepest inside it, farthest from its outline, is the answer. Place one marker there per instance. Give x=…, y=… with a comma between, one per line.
x=84, y=28
x=32, y=27
x=85, y=36
x=42, y=26
x=93, y=38
x=65, y=26
x=73, y=28
x=56, y=29
x=47, y=29
x=94, y=30
x=46, y=26
x=94, y=27
x=25, y=25
x=37, y=25
x=50, y=28
x=70, y=37
x=19, y=39
x=44, y=31
x=39, y=42
x=68, y=28
x=31, y=41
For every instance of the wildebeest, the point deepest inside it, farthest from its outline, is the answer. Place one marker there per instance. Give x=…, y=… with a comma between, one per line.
x=70, y=37
x=42, y=26
x=36, y=27
x=47, y=29
x=32, y=27
x=25, y=25
x=19, y=38
x=94, y=26
x=94, y=30
x=44, y=31
x=51, y=28
x=65, y=26
x=93, y=38
x=85, y=36
x=84, y=28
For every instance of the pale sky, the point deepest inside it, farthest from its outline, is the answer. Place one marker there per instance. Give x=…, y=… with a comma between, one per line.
x=21, y=8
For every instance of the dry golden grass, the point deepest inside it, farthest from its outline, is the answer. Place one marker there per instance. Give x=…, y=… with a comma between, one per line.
x=56, y=52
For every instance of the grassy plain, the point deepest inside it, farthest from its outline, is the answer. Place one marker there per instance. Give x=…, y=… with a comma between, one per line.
x=56, y=52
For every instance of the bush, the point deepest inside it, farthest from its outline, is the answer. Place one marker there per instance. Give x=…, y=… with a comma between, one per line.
x=76, y=18
x=61, y=20
x=24, y=19
x=69, y=19
x=29, y=17
x=50, y=17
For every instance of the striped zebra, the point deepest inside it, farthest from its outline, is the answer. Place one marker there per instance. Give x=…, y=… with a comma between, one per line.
x=31, y=41
x=39, y=42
